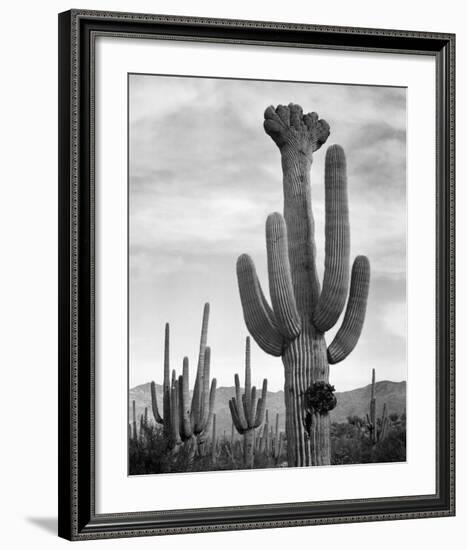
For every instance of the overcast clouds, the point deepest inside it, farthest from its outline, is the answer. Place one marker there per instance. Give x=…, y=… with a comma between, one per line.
x=203, y=178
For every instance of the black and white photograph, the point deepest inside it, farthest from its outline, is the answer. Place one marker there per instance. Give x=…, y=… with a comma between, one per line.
x=267, y=310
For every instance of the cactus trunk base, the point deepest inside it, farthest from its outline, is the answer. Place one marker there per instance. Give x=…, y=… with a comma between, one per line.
x=308, y=434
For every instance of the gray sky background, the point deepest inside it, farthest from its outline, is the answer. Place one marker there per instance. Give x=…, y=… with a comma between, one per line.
x=203, y=178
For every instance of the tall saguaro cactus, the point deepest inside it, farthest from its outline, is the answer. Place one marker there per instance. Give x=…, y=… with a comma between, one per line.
x=184, y=419
x=377, y=429
x=247, y=410
x=196, y=414
x=302, y=311
x=170, y=406
x=371, y=417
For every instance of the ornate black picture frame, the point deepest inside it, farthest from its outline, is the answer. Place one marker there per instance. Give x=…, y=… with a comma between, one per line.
x=77, y=517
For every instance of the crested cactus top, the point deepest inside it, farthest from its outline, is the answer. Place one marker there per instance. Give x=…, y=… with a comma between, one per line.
x=291, y=129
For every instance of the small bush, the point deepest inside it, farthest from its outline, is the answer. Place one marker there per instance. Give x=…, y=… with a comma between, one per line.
x=351, y=444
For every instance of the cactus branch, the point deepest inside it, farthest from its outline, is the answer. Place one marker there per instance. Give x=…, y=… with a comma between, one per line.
x=166, y=382
x=155, y=409
x=259, y=317
x=247, y=410
x=238, y=403
x=196, y=404
x=187, y=431
x=347, y=336
x=204, y=413
x=337, y=242
x=235, y=419
x=261, y=405
x=280, y=279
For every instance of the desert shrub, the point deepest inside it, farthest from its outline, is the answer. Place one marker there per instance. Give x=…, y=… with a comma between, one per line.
x=350, y=443
x=151, y=454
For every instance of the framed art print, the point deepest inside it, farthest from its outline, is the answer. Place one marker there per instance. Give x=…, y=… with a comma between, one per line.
x=256, y=274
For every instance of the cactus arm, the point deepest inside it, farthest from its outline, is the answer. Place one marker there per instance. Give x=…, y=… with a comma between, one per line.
x=181, y=426
x=253, y=405
x=259, y=317
x=214, y=441
x=260, y=410
x=205, y=392
x=347, y=336
x=280, y=278
x=155, y=409
x=166, y=382
x=337, y=242
x=239, y=404
x=235, y=418
x=384, y=423
x=185, y=400
x=174, y=408
x=248, y=391
x=232, y=434
x=197, y=391
x=135, y=432
x=212, y=402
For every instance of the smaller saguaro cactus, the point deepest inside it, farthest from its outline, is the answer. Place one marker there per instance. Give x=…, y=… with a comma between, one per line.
x=143, y=424
x=264, y=441
x=377, y=427
x=196, y=415
x=384, y=424
x=184, y=420
x=169, y=418
x=213, y=441
x=135, y=429
x=276, y=447
x=371, y=417
x=247, y=410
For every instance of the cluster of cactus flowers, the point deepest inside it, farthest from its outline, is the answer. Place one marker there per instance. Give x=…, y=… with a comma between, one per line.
x=302, y=310
x=247, y=410
x=377, y=427
x=184, y=420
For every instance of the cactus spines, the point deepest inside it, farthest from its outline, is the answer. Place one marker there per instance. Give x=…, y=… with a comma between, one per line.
x=247, y=410
x=301, y=310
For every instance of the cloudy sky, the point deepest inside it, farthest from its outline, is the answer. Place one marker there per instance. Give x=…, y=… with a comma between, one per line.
x=203, y=178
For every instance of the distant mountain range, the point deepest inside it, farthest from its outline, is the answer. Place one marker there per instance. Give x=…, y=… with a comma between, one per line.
x=349, y=403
